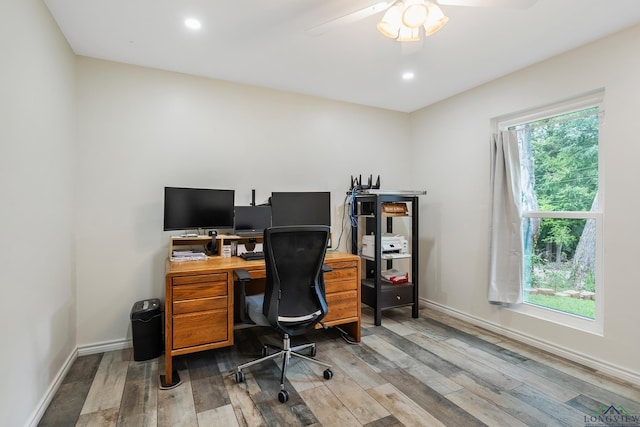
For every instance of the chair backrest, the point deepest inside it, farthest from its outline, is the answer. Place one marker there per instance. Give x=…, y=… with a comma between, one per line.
x=294, y=300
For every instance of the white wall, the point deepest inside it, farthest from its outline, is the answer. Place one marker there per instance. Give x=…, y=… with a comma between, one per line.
x=143, y=129
x=451, y=160
x=37, y=131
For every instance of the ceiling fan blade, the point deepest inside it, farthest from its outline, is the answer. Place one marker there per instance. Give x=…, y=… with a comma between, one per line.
x=507, y=4
x=348, y=18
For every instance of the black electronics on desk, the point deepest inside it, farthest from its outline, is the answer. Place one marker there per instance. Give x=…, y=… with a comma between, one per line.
x=301, y=208
x=195, y=208
x=251, y=220
x=250, y=256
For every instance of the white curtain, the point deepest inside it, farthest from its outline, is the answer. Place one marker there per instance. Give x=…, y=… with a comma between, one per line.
x=506, y=247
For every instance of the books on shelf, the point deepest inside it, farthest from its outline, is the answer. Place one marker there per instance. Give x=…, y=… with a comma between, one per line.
x=395, y=209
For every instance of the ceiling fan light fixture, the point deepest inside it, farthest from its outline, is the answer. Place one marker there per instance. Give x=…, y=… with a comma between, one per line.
x=407, y=34
x=402, y=21
x=435, y=21
x=391, y=22
x=415, y=13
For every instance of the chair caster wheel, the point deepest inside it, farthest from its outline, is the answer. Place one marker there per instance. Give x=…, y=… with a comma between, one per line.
x=328, y=374
x=265, y=351
x=239, y=377
x=283, y=396
x=312, y=353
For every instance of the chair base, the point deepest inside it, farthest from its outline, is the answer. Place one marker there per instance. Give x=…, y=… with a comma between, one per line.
x=285, y=353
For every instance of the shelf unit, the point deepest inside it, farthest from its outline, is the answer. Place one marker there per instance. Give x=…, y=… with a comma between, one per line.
x=371, y=218
x=175, y=242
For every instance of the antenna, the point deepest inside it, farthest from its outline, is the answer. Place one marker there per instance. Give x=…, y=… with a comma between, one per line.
x=356, y=183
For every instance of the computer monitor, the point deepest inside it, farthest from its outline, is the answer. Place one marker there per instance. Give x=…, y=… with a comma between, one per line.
x=194, y=208
x=252, y=220
x=301, y=208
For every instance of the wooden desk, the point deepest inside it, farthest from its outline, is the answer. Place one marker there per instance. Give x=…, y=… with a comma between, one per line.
x=199, y=309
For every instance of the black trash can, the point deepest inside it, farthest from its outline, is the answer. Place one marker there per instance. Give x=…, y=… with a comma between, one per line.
x=146, y=329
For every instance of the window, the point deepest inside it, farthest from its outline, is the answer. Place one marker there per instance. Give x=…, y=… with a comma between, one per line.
x=562, y=211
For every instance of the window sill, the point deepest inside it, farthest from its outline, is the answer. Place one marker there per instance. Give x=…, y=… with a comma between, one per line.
x=592, y=326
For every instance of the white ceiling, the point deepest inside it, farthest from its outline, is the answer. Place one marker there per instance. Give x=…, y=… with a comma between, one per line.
x=266, y=43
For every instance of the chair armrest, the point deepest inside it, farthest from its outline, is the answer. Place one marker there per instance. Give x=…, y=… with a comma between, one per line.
x=243, y=276
x=325, y=269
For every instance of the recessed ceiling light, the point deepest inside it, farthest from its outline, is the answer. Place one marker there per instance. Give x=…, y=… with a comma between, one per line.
x=408, y=75
x=192, y=23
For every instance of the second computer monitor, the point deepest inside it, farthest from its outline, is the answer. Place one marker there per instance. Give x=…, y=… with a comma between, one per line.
x=301, y=208
x=252, y=220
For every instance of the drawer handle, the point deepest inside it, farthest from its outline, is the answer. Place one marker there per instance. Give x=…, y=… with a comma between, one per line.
x=398, y=297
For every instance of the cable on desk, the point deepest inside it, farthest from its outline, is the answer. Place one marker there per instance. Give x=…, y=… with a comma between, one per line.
x=337, y=246
x=353, y=219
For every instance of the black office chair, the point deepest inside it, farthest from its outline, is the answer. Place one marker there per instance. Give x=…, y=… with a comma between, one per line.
x=294, y=299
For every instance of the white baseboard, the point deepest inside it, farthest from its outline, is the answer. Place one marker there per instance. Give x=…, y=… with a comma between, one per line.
x=583, y=359
x=52, y=390
x=103, y=347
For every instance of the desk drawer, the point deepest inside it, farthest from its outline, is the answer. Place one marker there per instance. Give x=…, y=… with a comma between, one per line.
x=260, y=273
x=340, y=274
x=340, y=286
x=396, y=295
x=199, y=290
x=342, y=305
x=339, y=265
x=200, y=278
x=200, y=304
x=199, y=328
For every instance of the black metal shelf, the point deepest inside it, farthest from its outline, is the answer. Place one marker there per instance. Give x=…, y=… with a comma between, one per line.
x=377, y=292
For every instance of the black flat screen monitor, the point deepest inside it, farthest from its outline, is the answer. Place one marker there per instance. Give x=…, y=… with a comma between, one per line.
x=193, y=208
x=250, y=220
x=301, y=208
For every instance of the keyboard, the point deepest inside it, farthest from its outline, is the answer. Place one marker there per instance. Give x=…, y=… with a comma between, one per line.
x=248, y=256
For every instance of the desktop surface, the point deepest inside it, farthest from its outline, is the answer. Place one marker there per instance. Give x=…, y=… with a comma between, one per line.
x=218, y=262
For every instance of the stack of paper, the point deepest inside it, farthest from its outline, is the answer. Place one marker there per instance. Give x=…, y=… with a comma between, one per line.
x=187, y=256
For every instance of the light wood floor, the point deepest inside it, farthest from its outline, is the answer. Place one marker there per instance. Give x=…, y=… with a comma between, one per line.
x=430, y=371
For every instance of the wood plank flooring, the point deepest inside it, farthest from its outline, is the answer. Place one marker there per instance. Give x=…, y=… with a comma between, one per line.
x=431, y=371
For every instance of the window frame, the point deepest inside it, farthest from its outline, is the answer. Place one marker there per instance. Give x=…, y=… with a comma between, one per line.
x=589, y=100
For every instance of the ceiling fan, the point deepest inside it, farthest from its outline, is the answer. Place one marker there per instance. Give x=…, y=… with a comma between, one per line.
x=403, y=19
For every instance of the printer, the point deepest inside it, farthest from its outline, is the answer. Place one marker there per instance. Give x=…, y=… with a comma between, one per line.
x=390, y=244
